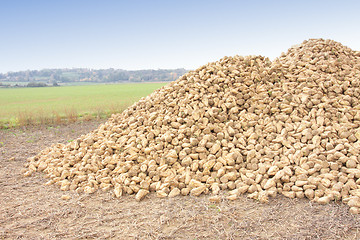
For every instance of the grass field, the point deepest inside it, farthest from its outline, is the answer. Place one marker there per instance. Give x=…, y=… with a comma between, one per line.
x=22, y=106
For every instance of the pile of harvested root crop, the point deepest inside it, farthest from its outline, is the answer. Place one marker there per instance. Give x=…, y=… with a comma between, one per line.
x=245, y=124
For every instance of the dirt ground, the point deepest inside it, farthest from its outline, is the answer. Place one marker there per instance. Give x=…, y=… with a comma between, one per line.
x=31, y=210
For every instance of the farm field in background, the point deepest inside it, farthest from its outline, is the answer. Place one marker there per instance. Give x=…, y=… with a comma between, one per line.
x=25, y=106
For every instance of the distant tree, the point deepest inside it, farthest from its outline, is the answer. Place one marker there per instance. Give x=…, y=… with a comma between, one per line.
x=64, y=79
x=35, y=84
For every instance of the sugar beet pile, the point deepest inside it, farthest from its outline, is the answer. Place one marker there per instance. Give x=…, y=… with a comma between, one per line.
x=245, y=124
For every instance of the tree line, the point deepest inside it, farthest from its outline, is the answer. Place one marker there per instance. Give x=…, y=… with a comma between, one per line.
x=53, y=77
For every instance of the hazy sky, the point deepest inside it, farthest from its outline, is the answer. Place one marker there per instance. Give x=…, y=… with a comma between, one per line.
x=144, y=34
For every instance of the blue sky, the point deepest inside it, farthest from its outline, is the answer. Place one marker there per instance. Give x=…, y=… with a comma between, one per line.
x=152, y=34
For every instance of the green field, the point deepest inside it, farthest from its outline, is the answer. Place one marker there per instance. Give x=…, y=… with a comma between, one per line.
x=20, y=106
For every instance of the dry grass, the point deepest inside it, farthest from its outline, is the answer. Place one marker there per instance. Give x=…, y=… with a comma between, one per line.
x=25, y=118
x=41, y=117
x=71, y=115
x=57, y=118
